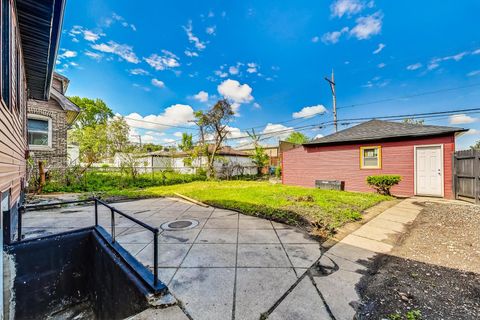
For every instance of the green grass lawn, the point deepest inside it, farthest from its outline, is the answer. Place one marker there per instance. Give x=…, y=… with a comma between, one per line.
x=322, y=210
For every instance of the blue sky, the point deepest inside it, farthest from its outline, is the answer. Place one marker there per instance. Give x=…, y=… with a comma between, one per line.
x=156, y=62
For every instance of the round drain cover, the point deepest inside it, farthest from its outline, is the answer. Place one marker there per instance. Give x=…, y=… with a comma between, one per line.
x=179, y=225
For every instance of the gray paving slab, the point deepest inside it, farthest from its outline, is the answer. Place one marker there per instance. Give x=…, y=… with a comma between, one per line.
x=257, y=236
x=259, y=289
x=210, y=255
x=293, y=307
x=170, y=255
x=368, y=244
x=217, y=236
x=262, y=255
x=206, y=293
x=294, y=236
x=170, y=313
x=221, y=224
x=183, y=236
x=246, y=222
x=378, y=234
x=303, y=255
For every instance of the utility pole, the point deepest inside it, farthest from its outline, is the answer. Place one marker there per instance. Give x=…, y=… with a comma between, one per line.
x=332, y=87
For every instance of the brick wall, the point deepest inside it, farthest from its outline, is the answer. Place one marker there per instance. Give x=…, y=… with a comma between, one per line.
x=302, y=166
x=56, y=156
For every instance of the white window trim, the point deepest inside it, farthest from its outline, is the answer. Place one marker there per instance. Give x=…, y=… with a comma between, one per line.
x=44, y=118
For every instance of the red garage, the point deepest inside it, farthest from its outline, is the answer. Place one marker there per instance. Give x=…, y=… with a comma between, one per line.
x=420, y=154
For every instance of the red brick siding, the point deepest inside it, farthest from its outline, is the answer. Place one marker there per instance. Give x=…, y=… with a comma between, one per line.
x=302, y=166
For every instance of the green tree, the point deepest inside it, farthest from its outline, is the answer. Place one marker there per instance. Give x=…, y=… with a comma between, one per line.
x=414, y=121
x=476, y=146
x=259, y=158
x=187, y=142
x=151, y=147
x=297, y=137
x=93, y=112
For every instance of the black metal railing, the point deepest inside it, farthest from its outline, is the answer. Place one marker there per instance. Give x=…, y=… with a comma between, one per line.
x=113, y=211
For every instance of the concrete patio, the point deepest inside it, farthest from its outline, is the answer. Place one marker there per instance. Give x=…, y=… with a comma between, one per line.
x=229, y=265
x=233, y=266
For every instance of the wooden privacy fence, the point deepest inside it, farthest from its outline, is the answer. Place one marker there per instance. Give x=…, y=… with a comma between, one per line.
x=466, y=175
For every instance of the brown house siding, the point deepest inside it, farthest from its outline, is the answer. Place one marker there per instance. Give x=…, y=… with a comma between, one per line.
x=302, y=166
x=12, y=118
x=56, y=156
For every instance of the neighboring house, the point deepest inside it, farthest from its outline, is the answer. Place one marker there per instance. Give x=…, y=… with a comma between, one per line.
x=48, y=122
x=270, y=150
x=29, y=38
x=229, y=162
x=420, y=154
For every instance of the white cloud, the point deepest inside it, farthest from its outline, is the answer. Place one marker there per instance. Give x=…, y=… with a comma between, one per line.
x=472, y=132
x=308, y=112
x=138, y=72
x=175, y=115
x=334, y=36
x=211, y=30
x=461, y=119
x=168, y=140
x=277, y=130
x=414, y=66
x=90, y=35
x=252, y=67
x=93, y=55
x=367, y=26
x=233, y=90
x=158, y=83
x=257, y=105
x=136, y=85
x=380, y=47
x=318, y=136
x=178, y=134
x=67, y=54
x=161, y=62
x=315, y=39
x=124, y=51
x=233, y=70
x=201, y=96
x=381, y=65
x=192, y=38
x=476, y=51
x=221, y=74
x=235, y=132
x=346, y=7
x=473, y=73
x=432, y=66
x=189, y=53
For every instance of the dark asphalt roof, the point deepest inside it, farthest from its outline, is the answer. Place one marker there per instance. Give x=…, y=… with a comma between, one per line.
x=382, y=130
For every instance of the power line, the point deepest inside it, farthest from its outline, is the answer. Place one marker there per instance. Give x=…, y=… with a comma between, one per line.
x=409, y=96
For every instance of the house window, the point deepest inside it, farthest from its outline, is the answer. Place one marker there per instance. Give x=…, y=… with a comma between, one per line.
x=39, y=131
x=370, y=157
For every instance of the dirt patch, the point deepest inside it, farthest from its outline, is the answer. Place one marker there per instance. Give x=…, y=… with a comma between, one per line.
x=434, y=270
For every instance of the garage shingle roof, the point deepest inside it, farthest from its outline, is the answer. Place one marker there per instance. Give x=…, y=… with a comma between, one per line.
x=383, y=130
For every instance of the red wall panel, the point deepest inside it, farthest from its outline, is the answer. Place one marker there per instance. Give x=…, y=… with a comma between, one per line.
x=302, y=166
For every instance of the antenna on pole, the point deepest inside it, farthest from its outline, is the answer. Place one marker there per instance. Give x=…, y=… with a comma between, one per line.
x=332, y=87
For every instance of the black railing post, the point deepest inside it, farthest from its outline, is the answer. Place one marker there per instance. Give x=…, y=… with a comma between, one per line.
x=113, y=224
x=155, y=257
x=96, y=212
x=21, y=210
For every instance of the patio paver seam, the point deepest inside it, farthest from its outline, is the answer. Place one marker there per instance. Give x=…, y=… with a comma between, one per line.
x=236, y=268
x=190, y=248
x=284, y=250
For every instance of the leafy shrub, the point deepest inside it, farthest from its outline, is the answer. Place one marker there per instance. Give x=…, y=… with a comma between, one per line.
x=109, y=181
x=278, y=171
x=383, y=183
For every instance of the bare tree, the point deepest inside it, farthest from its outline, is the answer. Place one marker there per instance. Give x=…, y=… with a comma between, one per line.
x=213, y=124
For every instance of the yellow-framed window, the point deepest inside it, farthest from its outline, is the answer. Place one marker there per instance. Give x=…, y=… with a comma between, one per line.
x=371, y=157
